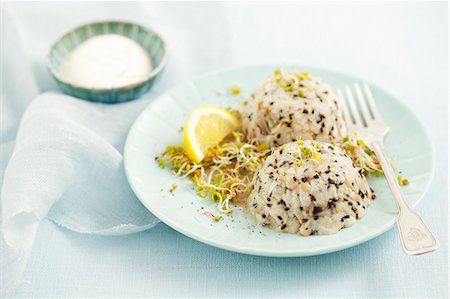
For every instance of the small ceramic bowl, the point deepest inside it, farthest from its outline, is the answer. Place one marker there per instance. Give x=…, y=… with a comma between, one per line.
x=151, y=41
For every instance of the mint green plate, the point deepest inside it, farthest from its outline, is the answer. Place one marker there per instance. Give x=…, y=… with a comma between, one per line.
x=159, y=125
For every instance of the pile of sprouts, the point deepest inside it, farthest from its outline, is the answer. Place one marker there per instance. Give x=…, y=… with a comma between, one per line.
x=361, y=155
x=225, y=174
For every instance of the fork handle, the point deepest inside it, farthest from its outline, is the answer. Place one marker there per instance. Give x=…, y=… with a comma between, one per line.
x=415, y=236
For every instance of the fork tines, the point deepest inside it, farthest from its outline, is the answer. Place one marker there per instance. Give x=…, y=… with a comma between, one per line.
x=360, y=113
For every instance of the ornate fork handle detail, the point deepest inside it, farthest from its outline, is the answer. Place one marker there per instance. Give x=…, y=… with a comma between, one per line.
x=415, y=236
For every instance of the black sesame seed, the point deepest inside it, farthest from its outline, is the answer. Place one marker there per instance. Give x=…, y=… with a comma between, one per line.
x=279, y=217
x=304, y=179
x=316, y=217
x=317, y=210
x=263, y=215
x=345, y=217
x=283, y=226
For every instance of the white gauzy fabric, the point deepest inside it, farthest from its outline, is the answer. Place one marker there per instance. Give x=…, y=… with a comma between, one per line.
x=66, y=166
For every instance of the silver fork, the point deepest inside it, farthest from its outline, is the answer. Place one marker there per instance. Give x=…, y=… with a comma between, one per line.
x=415, y=236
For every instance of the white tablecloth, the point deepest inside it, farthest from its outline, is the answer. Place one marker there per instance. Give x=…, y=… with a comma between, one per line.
x=402, y=47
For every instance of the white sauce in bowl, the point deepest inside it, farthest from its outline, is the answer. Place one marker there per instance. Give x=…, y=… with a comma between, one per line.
x=106, y=61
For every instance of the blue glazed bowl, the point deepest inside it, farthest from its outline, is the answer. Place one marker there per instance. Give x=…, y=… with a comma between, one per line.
x=148, y=39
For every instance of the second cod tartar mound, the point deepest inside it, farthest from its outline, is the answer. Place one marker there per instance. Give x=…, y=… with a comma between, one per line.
x=309, y=188
x=290, y=106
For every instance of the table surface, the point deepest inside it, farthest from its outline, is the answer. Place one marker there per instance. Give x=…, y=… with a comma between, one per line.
x=400, y=46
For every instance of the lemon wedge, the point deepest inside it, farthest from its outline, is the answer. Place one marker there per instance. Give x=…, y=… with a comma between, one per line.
x=206, y=127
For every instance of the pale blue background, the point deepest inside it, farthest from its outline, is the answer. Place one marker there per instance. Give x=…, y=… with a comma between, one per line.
x=402, y=47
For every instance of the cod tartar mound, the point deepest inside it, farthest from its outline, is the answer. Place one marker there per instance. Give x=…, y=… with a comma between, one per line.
x=291, y=106
x=309, y=188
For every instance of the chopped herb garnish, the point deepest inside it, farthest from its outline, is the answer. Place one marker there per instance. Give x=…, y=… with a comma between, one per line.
x=402, y=181
x=235, y=90
x=173, y=187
